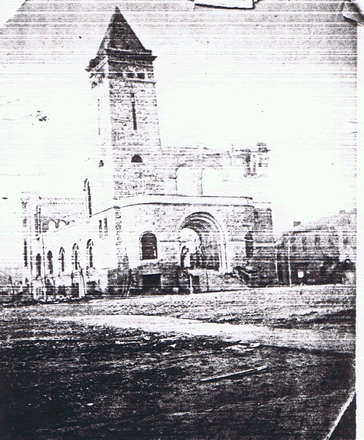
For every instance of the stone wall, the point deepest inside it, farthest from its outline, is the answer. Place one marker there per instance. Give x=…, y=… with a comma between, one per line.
x=226, y=223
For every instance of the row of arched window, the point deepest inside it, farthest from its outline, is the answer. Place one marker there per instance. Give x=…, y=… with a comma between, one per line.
x=148, y=251
x=148, y=248
x=48, y=267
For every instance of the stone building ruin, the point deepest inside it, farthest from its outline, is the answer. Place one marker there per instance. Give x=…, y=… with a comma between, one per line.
x=147, y=222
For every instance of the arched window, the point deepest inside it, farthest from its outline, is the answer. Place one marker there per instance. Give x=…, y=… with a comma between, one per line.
x=50, y=262
x=148, y=244
x=88, y=197
x=90, y=255
x=61, y=259
x=38, y=265
x=249, y=245
x=75, y=257
x=136, y=159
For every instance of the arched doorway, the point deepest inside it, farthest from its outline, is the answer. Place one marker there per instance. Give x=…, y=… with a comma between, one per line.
x=203, y=245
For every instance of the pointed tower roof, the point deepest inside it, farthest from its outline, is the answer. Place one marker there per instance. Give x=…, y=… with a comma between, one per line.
x=120, y=39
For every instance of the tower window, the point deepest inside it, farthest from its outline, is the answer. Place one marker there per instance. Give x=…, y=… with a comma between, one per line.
x=136, y=159
x=141, y=75
x=133, y=111
x=88, y=197
x=148, y=243
x=25, y=253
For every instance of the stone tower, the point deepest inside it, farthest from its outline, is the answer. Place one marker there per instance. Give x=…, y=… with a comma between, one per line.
x=129, y=147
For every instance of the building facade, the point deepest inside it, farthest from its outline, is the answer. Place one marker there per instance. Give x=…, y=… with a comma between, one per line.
x=148, y=221
x=321, y=252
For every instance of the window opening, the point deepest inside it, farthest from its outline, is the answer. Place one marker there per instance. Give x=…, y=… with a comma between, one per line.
x=148, y=246
x=87, y=188
x=38, y=265
x=90, y=256
x=75, y=257
x=293, y=244
x=304, y=243
x=100, y=228
x=141, y=75
x=136, y=159
x=38, y=226
x=317, y=241
x=253, y=164
x=106, y=230
x=249, y=245
x=133, y=111
x=25, y=253
x=61, y=259
x=50, y=262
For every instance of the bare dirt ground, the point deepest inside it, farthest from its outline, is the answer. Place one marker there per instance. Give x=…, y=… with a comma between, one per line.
x=66, y=378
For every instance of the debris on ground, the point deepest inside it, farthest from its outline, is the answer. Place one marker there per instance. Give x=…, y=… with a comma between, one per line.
x=236, y=375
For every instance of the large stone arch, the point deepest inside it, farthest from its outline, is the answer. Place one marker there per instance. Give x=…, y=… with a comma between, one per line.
x=211, y=252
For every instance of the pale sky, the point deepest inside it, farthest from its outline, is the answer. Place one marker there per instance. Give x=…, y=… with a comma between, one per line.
x=306, y=182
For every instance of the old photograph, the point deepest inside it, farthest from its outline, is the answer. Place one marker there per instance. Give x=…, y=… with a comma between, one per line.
x=178, y=213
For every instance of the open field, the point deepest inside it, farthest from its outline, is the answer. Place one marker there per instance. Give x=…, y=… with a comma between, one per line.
x=66, y=378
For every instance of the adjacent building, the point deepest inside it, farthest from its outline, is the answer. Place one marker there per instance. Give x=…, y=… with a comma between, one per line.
x=319, y=252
